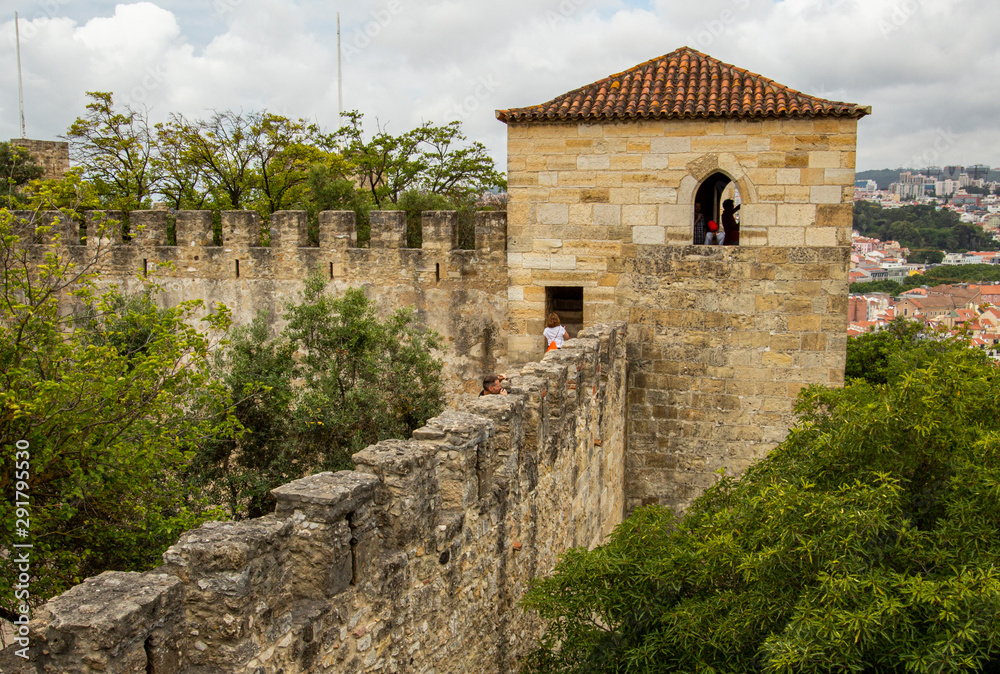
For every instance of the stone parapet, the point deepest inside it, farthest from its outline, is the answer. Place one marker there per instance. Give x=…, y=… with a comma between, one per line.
x=415, y=561
x=460, y=294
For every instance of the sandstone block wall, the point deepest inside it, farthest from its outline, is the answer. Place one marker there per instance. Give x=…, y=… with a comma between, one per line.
x=461, y=294
x=414, y=562
x=721, y=339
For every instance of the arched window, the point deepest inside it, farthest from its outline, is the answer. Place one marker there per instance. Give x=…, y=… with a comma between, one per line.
x=708, y=202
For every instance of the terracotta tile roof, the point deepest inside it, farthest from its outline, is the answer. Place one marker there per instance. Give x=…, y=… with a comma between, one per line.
x=682, y=84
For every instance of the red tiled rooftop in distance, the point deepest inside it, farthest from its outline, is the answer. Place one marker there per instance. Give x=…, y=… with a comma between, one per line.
x=682, y=84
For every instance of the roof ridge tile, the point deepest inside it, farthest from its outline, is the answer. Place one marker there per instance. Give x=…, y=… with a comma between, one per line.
x=682, y=84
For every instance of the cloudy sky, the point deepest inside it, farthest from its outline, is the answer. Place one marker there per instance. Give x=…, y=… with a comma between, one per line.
x=929, y=68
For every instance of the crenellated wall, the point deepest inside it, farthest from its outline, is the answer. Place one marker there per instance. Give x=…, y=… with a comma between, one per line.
x=415, y=562
x=461, y=294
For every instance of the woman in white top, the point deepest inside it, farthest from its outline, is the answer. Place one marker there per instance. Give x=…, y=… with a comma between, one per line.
x=554, y=332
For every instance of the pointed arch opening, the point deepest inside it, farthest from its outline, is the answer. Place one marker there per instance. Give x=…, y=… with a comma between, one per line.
x=710, y=206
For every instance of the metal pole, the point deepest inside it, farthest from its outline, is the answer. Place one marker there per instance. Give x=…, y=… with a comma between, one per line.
x=340, y=78
x=20, y=87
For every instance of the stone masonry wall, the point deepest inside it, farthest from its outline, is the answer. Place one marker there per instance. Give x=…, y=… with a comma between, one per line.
x=720, y=339
x=415, y=562
x=461, y=294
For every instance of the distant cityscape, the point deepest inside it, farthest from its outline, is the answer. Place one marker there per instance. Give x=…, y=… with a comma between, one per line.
x=968, y=307
x=966, y=190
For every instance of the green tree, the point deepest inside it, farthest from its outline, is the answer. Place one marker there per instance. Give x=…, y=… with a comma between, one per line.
x=926, y=256
x=330, y=188
x=185, y=178
x=222, y=148
x=239, y=472
x=358, y=379
x=868, y=541
x=236, y=160
x=17, y=167
x=430, y=159
x=116, y=149
x=284, y=152
x=385, y=165
x=871, y=357
x=974, y=273
x=883, y=286
x=106, y=405
x=918, y=227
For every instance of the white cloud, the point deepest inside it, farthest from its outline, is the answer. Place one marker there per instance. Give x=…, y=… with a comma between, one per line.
x=924, y=65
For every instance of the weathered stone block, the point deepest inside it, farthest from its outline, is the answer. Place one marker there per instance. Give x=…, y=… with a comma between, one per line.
x=289, y=230
x=439, y=230
x=338, y=230
x=240, y=229
x=388, y=229
x=148, y=228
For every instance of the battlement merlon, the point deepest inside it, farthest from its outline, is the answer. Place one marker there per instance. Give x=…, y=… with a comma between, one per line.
x=242, y=229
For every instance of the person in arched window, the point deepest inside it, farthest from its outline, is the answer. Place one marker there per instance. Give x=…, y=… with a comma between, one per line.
x=730, y=224
x=699, y=225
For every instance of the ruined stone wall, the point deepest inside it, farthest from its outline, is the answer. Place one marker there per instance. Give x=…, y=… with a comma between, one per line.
x=461, y=294
x=721, y=339
x=415, y=562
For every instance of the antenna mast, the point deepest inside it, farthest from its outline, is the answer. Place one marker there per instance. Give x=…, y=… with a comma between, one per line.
x=20, y=87
x=340, y=78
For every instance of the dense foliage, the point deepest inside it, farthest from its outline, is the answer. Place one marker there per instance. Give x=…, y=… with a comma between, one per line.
x=884, y=286
x=359, y=378
x=108, y=405
x=868, y=541
x=17, y=167
x=135, y=425
x=267, y=162
x=957, y=273
x=920, y=228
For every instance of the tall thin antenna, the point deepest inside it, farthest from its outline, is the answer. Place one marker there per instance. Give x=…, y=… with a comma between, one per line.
x=20, y=87
x=340, y=78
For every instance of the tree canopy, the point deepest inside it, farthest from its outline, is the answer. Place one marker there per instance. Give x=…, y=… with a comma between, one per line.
x=268, y=162
x=17, y=167
x=868, y=541
x=101, y=410
x=361, y=378
x=949, y=273
x=920, y=228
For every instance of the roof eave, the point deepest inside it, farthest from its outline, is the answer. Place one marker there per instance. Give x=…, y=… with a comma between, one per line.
x=512, y=115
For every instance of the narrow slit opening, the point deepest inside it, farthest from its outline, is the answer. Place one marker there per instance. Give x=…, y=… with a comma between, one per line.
x=237, y=269
x=437, y=272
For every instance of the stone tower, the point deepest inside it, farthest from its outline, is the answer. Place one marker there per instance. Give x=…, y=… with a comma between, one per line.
x=603, y=185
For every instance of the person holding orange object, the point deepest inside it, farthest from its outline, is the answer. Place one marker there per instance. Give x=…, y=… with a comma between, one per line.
x=555, y=333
